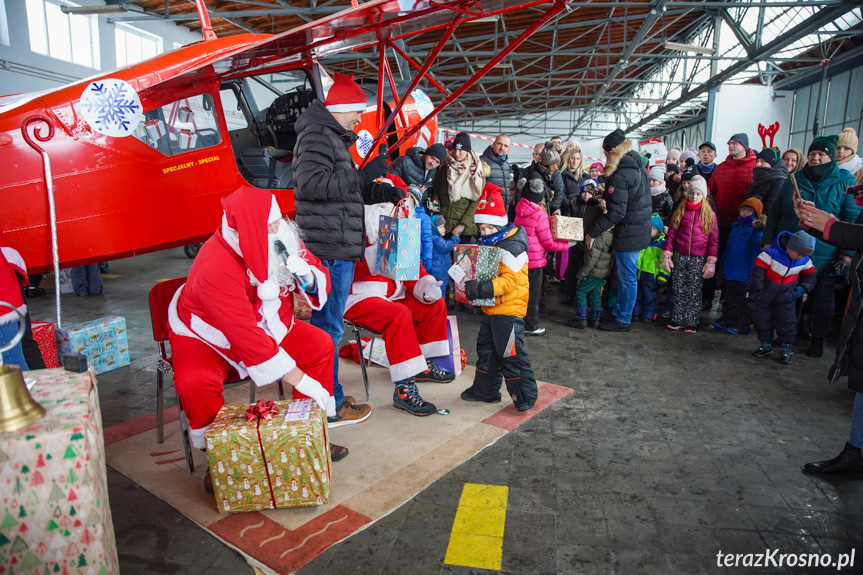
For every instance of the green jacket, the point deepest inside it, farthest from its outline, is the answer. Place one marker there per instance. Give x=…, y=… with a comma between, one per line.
x=650, y=259
x=829, y=195
x=597, y=260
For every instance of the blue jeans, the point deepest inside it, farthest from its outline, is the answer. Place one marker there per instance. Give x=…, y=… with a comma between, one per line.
x=16, y=354
x=856, y=438
x=86, y=279
x=331, y=318
x=627, y=280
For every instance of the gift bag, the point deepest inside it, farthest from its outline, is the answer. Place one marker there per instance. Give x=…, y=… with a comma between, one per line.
x=46, y=339
x=476, y=262
x=398, y=255
x=567, y=229
x=452, y=361
x=561, y=261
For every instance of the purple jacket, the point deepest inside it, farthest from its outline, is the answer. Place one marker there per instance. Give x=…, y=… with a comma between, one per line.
x=689, y=239
x=534, y=220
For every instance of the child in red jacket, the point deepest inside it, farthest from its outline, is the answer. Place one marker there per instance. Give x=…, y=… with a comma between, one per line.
x=530, y=216
x=693, y=238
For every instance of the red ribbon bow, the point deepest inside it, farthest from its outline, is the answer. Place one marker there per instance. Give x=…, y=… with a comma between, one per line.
x=262, y=410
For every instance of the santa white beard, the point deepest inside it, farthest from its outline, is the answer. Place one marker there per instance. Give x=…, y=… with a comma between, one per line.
x=288, y=234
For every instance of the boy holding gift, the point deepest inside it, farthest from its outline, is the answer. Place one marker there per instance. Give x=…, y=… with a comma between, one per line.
x=500, y=342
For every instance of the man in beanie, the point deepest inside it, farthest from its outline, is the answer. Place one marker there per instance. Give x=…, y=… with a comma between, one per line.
x=330, y=192
x=846, y=154
x=782, y=274
x=822, y=182
x=768, y=177
x=419, y=168
x=234, y=314
x=628, y=205
x=496, y=157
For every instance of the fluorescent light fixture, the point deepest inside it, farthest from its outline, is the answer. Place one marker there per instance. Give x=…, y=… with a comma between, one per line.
x=647, y=101
x=689, y=48
x=106, y=9
x=483, y=20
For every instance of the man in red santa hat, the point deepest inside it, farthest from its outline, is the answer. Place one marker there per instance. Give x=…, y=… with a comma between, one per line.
x=411, y=316
x=235, y=312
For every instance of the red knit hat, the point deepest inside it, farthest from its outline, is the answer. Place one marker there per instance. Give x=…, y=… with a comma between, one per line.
x=248, y=211
x=345, y=95
x=490, y=208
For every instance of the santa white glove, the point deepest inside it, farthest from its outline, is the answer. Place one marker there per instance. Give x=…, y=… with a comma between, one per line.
x=301, y=269
x=427, y=289
x=314, y=390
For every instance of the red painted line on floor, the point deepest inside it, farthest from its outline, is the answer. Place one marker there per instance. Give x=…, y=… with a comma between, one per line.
x=164, y=461
x=161, y=453
x=133, y=427
x=510, y=418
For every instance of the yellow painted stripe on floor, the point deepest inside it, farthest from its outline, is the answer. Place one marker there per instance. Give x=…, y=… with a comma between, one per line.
x=111, y=276
x=477, y=532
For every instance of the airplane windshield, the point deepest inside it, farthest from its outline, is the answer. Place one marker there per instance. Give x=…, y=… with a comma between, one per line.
x=181, y=126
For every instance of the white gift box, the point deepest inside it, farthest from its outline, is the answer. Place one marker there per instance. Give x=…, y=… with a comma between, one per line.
x=187, y=139
x=185, y=114
x=155, y=128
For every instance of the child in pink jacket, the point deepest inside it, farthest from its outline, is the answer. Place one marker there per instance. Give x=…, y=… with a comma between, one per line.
x=693, y=237
x=530, y=216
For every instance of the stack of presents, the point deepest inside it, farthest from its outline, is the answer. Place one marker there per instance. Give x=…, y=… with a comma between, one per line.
x=103, y=341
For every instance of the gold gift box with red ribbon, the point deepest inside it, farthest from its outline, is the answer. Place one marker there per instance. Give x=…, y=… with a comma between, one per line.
x=274, y=454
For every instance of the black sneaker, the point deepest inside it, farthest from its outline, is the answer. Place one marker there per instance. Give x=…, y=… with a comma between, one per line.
x=816, y=348
x=674, y=326
x=406, y=396
x=538, y=332
x=766, y=350
x=615, y=325
x=468, y=395
x=434, y=374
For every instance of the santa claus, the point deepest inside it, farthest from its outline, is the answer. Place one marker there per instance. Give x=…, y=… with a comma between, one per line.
x=235, y=312
x=411, y=316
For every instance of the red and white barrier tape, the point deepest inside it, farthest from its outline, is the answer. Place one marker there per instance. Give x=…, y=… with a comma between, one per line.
x=448, y=131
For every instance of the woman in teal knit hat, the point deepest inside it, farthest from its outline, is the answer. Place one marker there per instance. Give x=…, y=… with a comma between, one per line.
x=822, y=182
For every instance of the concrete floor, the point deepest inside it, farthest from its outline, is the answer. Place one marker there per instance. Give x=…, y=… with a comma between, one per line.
x=671, y=448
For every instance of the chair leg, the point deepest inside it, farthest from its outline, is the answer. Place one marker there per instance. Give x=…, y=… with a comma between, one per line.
x=281, y=390
x=363, y=361
x=187, y=445
x=160, y=407
x=251, y=391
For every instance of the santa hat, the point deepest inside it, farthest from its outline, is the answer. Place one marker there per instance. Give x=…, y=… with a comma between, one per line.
x=393, y=179
x=345, y=95
x=247, y=212
x=490, y=208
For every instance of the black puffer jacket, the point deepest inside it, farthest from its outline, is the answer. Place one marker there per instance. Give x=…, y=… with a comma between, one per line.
x=500, y=172
x=627, y=198
x=571, y=187
x=767, y=183
x=411, y=168
x=328, y=188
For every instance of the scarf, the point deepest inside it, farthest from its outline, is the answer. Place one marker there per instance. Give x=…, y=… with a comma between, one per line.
x=691, y=206
x=494, y=238
x=658, y=190
x=706, y=169
x=853, y=164
x=464, y=179
x=817, y=173
x=745, y=221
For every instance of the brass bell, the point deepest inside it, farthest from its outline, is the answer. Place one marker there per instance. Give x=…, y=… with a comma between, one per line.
x=18, y=409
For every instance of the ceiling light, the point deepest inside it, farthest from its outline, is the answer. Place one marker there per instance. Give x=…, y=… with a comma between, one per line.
x=689, y=48
x=647, y=101
x=106, y=9
x=483, y=20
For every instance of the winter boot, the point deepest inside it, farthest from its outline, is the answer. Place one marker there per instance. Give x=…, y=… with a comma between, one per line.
x=816, y=348
x=579, y=320
x=434, y=374
x=766, y=350
x=786, y=350
x=849, y=461
x=406, y=396
x=594, y=314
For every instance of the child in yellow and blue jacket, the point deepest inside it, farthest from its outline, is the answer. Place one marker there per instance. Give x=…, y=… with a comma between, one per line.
x=650, y=274
x=500, y=342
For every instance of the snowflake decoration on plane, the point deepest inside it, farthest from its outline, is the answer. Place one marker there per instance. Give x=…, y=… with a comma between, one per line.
x=111, y=107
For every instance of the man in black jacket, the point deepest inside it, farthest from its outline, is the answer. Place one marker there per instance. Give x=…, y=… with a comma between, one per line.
x=420, y=169
x=496, y=157
x=329, y=193
x=628, y=205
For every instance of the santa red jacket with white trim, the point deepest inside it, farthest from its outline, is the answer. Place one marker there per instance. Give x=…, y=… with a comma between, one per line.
x=219, y=305
x=11, y=267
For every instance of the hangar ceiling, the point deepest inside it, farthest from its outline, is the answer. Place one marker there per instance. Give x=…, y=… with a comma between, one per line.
x=646, y=65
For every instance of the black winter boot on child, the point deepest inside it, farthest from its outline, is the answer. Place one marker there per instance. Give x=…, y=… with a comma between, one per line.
x=579, y=320
x=786, y=350
x=816, y=348
x=406, y=396
x=766, y=350
x=594, y=315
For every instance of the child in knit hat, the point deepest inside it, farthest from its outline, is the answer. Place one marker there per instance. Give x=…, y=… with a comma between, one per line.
x=591, y=276
x=659, y=196
x=846, y=154
x=744, y=245
x=442, y=256
x=650, y=274
x=782, y=273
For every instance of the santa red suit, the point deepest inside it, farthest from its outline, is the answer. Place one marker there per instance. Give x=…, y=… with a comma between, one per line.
x=235, y=312
x=11, y=263
x=392, y=308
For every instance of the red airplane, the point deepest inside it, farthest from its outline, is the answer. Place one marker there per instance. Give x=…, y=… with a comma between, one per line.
x=136, y=160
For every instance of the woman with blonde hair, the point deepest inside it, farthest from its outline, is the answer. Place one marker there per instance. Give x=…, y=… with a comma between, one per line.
x=793, y=160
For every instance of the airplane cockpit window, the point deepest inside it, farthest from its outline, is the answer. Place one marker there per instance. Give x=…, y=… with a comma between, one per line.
x=181, y=126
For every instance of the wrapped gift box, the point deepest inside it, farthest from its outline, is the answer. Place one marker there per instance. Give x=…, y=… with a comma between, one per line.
x=186, y=139
x=46, y=339
x=302, y=309
x=272, y=463
x=155, y=128
x=568, y=229
x=104, y=341
x=398, y=255
x=185, y=114
x=478, y=262
x=55, y=512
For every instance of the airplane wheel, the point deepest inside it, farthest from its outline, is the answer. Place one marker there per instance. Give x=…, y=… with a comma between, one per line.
x=192, y=250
